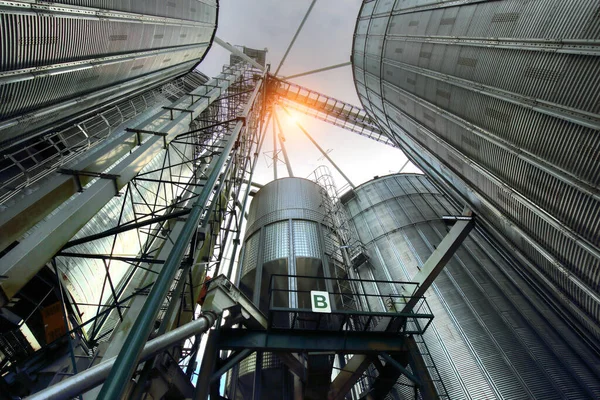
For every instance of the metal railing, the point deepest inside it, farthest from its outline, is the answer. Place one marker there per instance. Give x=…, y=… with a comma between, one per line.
x=290, y=305
x=25, y=164
x=328, y=109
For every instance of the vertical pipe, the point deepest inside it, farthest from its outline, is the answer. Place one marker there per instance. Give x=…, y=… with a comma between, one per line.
x=256, y=393
x=322, y=151
x=207, y=368
x=295, y=36
x=274, y=146
x=281, y=140
x=127, y=360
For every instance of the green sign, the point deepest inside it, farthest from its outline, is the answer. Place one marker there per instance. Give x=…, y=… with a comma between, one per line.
x=320, y=302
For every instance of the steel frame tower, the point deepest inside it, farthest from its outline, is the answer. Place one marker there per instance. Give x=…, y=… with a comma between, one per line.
x=202, y=149
x=134, y=204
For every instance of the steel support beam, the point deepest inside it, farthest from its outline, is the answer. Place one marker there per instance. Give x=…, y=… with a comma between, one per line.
x=205, y=383
x=348, y=376
x=430, y=270
x=396, y=366
x=318, y=376
x=388, y=374
x=298, y=341
x=287, y=51
x=437, y=261
x=146, y=260
x=127, y=227
x=275, y=158
x=419, y=368
x=296, y=366
x=235, y=358
x=323, y=152
x=400, y=368
x=404, y=165
x=288, y=164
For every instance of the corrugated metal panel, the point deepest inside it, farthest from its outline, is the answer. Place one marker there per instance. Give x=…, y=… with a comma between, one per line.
x=285, y=198
x=33, y=94
x=500, y=102
x=58, y=52
x=492, y=336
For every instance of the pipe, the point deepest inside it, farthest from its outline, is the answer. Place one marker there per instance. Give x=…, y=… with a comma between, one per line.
x=403, y=166
x=295, y=36
x=285, y=155
x=274, y=148
x=129, y=356
x=86, y=380
x=314, y=71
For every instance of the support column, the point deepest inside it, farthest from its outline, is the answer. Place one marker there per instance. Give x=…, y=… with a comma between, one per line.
x=207, y=368
x=288, y=164
x=274, y=148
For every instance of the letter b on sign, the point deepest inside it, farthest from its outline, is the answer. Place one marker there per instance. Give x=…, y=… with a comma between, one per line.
x=320, y=301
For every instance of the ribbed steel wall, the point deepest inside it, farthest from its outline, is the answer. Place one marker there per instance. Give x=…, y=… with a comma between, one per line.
x=493, y=336
x=286, y=221
x=69, y=50
x=499, y=102
x=285, y=234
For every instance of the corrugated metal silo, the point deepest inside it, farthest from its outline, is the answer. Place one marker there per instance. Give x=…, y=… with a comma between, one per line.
x=498, y=102
x=493, y=335
x=286, y=235
x=62, y=58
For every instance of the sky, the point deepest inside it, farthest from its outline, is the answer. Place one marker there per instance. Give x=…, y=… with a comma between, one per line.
x=326, y=39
